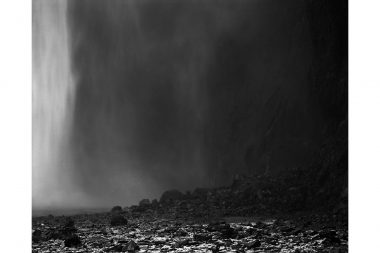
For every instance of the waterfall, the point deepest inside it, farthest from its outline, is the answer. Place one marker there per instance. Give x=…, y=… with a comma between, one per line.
x=53, y=96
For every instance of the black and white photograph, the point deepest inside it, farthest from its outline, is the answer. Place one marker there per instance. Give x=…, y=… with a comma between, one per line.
x=189, y=126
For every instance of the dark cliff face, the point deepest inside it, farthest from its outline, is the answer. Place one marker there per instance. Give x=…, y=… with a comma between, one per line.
x=288, y=94
x=189, y=93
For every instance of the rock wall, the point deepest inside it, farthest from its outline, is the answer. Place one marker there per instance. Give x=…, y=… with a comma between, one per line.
x=287, y=105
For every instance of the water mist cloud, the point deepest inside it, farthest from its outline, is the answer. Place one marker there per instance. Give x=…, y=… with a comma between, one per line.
x=139, y=110
x=53, y=97
x=131, y=98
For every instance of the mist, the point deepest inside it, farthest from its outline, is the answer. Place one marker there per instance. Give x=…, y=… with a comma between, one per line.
x=132, y=98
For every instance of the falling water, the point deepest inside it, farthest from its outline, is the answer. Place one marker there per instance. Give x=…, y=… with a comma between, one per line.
x=53, y=95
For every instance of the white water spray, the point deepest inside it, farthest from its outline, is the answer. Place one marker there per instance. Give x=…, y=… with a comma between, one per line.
x=53, y=97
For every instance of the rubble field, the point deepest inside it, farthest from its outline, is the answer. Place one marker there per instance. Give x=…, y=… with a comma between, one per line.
x=206, y=220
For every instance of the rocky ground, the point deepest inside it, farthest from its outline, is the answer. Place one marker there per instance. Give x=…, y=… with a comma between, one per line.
x=239, y=218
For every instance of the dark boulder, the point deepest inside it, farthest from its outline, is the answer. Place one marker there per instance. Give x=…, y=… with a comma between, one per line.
x=182, y=243
x=202, y=237
x=69, y=223
x=62, y=232
x=115, y=248
x=36, y=236
x=144, y=202
x=68, y=227
x=253, y=244
x=116, y=209
x=201, y=193
x=154, y=203
x=329, y=237
x=171, y=195
x=131, y=247
x=72, y=241
x=118, y=220
x=224, y=229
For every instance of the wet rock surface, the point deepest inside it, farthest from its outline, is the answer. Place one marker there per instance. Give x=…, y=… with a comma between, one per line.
x=154, y=234
x=244, y=217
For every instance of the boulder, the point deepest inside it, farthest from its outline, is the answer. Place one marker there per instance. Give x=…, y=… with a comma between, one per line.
x=253, y=244
x=131, y=247
x=36, y=236
x=202, y=237
x=69, y=223
x=154, y=203
x=171, y=195
x=72, y=241
x=118, y=220
x=116, y=209
x=201, y=193
x=144, y=202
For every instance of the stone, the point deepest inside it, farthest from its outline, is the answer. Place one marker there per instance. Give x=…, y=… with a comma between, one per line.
x=69, y=223
x=117, y=248
x=144, y=202
x=118, y=220
x=116, y=209
x=253, y=244
x=131, y=247
x=171, y=195
x=181, y=243
x=329, y=237
x=36, y=236
x=72, y=241
x=154, y=203
x=202, y=237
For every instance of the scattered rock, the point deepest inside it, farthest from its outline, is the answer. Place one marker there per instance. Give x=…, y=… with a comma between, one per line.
x=152, y=233
x=178, y=221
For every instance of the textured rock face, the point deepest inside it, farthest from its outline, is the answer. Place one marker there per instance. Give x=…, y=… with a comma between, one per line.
x=299, y=120
x=276, y=118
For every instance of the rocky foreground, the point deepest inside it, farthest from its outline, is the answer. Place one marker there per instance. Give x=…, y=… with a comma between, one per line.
x=206, y=220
